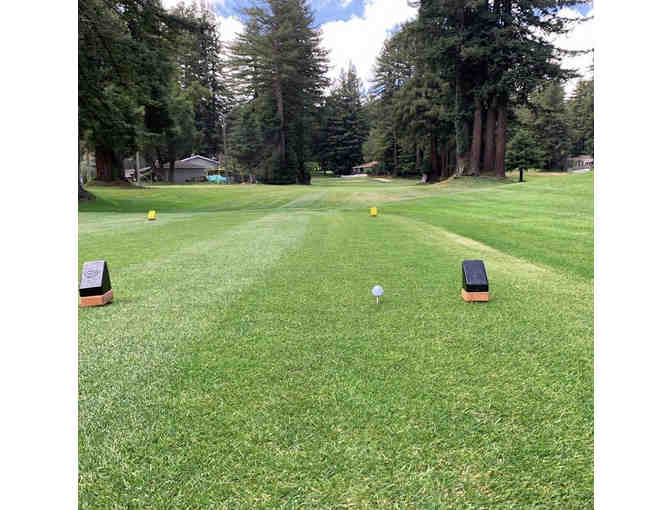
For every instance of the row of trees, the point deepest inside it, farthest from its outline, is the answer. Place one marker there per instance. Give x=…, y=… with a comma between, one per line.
x=447, y=82
x=343, y=125
x=449, y=87
x=159, y=83
x=550, y=129
x=150, y=81
x=284, y=118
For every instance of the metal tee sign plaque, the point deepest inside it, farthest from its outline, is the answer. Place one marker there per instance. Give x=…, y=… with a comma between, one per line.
x=95, y=288
x=475, y=286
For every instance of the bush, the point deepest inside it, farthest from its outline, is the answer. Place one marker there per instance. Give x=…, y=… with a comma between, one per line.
x=523, y=151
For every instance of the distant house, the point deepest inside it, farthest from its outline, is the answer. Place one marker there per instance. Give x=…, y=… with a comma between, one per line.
x=580, y=162
x=193, y=168
x=362, y=168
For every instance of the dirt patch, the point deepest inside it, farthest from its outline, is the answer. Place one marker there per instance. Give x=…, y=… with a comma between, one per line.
x=382, y=180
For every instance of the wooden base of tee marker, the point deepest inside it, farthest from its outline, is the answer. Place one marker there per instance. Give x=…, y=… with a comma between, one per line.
x=96, y=300
x=95, y=288
x=475, y=285
x=475, y=296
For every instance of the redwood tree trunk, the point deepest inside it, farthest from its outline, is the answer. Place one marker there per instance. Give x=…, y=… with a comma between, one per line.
x=500, y=151
x=82, y=194
x=490, y=122
x=107, y=168
x=418, y=158
x=445, y=161
x=281, y=117
x=161, y=169
x=477, y=140
x=461, y=163
x=277, y=86
x=171, y=171
x=396, y=155
x=500, y=146
x=461, y=150
x=435, y=171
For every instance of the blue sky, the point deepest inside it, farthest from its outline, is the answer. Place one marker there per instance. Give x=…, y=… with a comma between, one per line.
x=325, y=10
x=584, y=9
x=333, y=10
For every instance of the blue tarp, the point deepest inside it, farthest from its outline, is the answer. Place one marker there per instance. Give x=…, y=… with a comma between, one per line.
x=218, y=179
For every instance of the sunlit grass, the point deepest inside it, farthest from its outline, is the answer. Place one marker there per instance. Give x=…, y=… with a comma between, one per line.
x=245, y=364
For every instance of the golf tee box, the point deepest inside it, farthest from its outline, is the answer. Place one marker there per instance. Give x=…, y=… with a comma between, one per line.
x=95, y=288
x=475, y=285
x=373, y=211
x=151, y=215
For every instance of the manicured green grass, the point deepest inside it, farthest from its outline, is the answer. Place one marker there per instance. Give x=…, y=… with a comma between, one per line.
x=245, y=364
x=324, y=193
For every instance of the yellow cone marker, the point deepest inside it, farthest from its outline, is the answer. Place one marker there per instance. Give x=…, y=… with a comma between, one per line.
x=374, y=211
x=151, y=215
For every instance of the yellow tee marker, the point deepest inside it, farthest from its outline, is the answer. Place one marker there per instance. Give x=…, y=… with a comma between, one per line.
x=151, y=215
x=373, y=211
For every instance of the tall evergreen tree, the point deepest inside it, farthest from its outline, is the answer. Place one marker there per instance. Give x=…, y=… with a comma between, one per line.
x=345, y=129
x=109, y=93
x=581, y=118
x=523, y=151
x=278, y=57
x=201, y=69
x=549, y=122
x=409, y=112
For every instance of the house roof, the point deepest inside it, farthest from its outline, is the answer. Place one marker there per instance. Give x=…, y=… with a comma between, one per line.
x=197, y=157
x=196, y=161
x=367, y=165
x=582, y=158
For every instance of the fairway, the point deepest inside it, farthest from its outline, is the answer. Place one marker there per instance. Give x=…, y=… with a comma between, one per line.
x=244, y=362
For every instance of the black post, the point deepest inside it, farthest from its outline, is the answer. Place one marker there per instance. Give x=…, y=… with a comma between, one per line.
x=521, y=175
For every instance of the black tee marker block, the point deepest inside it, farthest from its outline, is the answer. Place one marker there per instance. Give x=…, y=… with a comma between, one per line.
x=95, y=288
x=475, y=286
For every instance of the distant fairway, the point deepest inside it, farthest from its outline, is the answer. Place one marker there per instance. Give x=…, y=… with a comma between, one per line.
x=245, y=364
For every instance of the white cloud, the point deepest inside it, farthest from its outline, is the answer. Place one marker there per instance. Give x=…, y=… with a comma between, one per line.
x=229, y=27
x=580, y=38
x=169, y=4
x=345, y=3
x=360, y=39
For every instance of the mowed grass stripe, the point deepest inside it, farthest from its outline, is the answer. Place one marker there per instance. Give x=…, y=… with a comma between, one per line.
x=121, y=224
x=548, y=220
x=325, y=192
x=192, y=198
x=130, y=352
x=311, y=395
x=130, y=238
